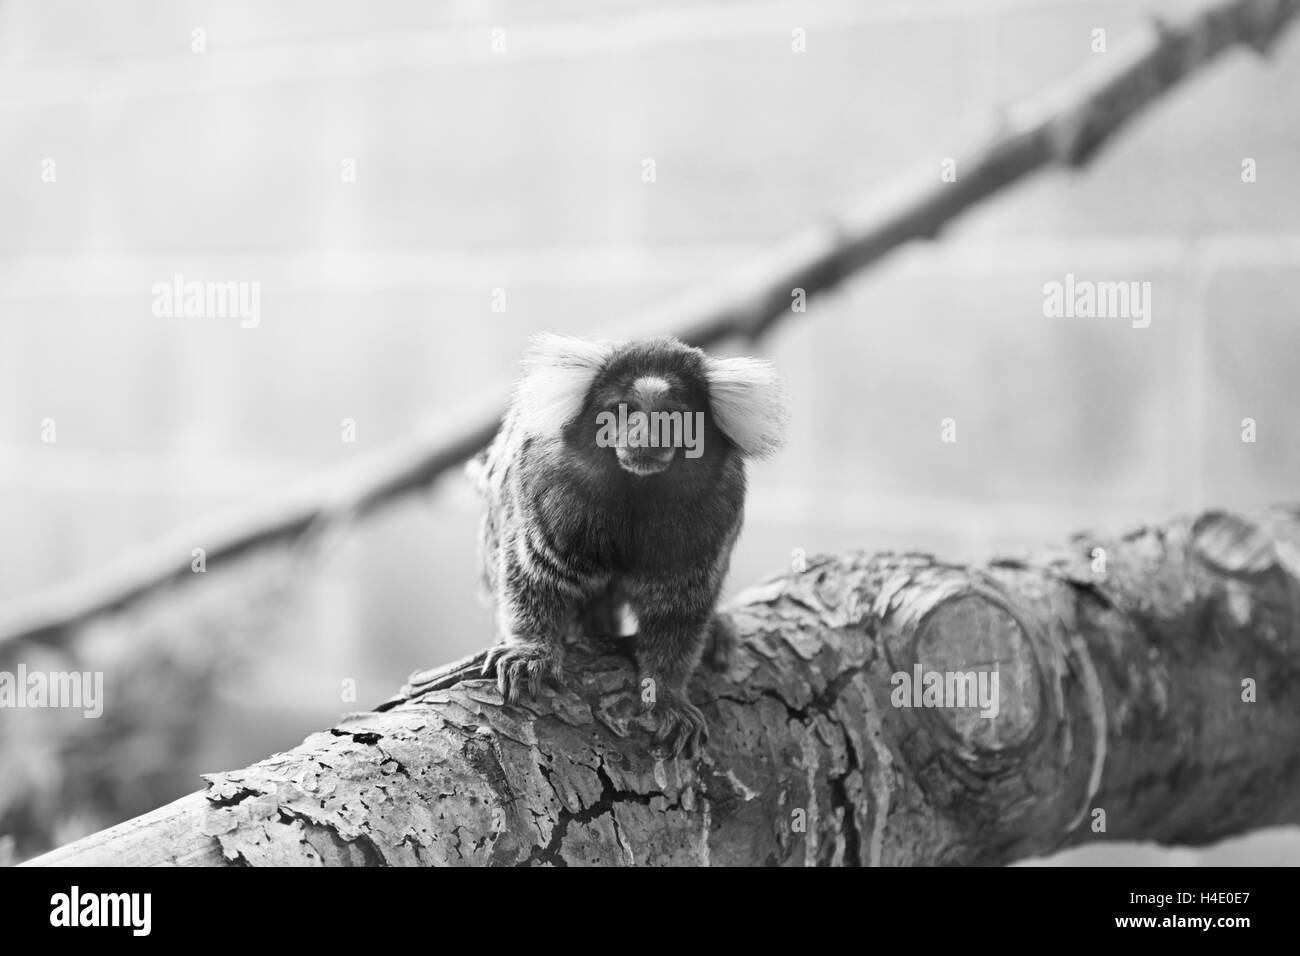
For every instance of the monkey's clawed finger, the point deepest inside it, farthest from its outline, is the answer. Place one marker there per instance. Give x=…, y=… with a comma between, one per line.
x=683, y=728
x=521, y=668
x=490, y=659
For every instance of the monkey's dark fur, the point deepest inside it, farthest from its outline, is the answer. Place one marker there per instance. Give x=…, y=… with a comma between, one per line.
x=575, y=532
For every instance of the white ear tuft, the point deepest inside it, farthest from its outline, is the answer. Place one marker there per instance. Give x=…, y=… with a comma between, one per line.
x=748, y=401
x=558, y=372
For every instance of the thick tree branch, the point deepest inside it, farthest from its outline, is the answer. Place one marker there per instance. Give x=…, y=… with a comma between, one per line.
x=1063, y=125
x=1155, y=677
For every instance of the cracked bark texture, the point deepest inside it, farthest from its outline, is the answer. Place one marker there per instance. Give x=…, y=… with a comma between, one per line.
x=1121, y=689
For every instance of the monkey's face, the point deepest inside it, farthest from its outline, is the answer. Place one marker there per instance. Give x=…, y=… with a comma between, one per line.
x=647, y=419
x=653, y=408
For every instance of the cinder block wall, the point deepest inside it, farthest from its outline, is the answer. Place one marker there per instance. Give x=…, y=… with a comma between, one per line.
x=520, y=169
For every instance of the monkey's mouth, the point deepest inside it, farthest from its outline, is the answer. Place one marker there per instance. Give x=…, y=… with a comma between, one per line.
x=644, y=461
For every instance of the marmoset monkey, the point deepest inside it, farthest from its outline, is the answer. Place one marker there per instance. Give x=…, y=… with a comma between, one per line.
x=617, y=483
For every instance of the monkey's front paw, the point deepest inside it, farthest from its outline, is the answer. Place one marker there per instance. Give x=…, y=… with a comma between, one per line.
x=682, y=727
x=520, y=667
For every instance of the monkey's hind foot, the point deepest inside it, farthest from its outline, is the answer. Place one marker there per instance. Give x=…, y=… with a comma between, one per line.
x=682, y=727
x=722, y=642
x=523, y=667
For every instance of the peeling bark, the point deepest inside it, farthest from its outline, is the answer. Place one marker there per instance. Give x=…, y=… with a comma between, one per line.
x=1120, y=690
